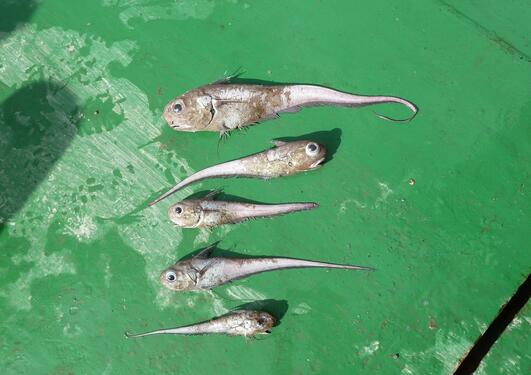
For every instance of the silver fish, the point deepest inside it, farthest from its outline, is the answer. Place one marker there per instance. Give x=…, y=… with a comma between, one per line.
x=222, y=107
x=246, y=323
x=203, y=272
x=286, y=159
x=208, y=212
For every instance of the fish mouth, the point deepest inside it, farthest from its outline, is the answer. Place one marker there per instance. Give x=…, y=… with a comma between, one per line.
x=317, y=163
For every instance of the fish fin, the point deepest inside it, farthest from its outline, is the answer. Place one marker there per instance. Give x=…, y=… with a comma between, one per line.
x=278, y=143
x=207, y=251
x=224, y=132
x=227, y=78
x=212, y=194
x=192, y=277
x=291, y=109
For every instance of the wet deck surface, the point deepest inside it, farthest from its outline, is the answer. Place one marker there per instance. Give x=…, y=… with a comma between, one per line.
x=83, y=148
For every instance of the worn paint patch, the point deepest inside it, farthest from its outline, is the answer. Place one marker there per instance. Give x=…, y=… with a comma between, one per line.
x=151, y=10
x=82, y=63
x=449, y=348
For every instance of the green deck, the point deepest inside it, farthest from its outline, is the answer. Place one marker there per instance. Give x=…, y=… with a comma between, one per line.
x=83, y=148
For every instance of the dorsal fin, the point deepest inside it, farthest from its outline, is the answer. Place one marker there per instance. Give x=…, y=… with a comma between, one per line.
x=212, y=194
x=207, y=251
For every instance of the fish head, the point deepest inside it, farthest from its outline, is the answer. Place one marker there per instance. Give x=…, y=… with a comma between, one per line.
x=178, y=277
x=186, y=214
x=190, y=112
x=303, y=155
x=263, y=322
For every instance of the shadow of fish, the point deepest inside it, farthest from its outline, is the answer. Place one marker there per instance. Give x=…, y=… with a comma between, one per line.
x=208, y=212
x=222, y=107
x=203, y=272
x=287, y=158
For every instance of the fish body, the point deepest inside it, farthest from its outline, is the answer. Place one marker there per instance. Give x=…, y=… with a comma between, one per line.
x=287, y=158
x=246, y=323
x=228, y=106
x=204, y=272
x=208, y=213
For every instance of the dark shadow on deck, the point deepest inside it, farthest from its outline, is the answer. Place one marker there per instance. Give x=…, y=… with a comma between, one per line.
x=37, y=124
x=14, y=12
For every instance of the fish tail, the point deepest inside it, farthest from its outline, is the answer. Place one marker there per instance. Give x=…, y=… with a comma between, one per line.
x=219, y=170
x=308, y=95
x=279, y=263
x=133, y=336
x=173, y=331
x=340, y=266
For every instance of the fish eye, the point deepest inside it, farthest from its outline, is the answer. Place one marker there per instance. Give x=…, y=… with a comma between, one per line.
x=261, y=321
x=312, y=149
x=177, y=108
x=178, y=210
x=171, y=276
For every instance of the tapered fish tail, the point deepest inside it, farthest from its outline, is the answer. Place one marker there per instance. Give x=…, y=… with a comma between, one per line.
x=150, y=333
x=362, y=101
x=372, y=100
x=353, y=267
x=218, y=170
x=308, y=95
x=303, y=263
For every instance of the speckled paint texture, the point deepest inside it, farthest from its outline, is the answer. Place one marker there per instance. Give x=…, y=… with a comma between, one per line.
x=440, y=207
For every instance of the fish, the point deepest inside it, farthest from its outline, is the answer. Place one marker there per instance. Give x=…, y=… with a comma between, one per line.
x=223, y=106
x=205, y=272
x=246, y=323
x=208, y=212
x=285, y=159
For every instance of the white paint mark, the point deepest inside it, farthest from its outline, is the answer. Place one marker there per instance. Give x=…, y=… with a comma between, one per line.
x=517, y=322
x=82, y=227
x=370, y=349
x=301, y=309
x=241, y=292
x=71, y=330
x=343, y=205
x=385, y=191
x=511, y=365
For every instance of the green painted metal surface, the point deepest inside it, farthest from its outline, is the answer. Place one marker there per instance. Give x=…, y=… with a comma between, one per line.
x=83, y=148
